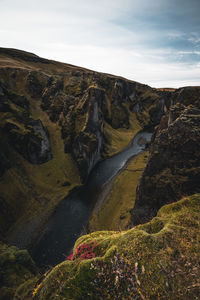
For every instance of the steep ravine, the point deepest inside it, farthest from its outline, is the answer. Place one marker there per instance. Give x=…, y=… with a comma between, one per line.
x=60, y=126
x=72, y=215
x=56, y=122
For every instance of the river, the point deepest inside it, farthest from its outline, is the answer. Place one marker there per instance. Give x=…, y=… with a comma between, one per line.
x=72, y=215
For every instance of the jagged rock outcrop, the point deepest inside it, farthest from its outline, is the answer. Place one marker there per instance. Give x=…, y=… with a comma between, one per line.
x=173, y=170
x=26, y=135
x=87, y=144
x=34, y=86
x=33, y=143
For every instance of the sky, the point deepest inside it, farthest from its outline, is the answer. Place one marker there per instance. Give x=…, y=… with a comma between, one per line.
x=156, y=42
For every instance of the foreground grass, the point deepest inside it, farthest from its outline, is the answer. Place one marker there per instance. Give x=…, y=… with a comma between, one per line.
x=157, y=260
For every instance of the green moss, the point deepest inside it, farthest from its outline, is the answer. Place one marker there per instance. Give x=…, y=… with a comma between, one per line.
x=157, y=260
x=144, y=118
x=118, y=139
x=155, y=226
x=16, y=267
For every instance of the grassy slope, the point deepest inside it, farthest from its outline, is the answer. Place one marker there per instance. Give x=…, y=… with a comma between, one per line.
x=157, y=260
x=114, y=214
x=50, y=67
x=118, y=139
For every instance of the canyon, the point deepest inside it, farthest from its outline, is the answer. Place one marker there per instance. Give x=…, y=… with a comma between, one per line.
x=63, y=128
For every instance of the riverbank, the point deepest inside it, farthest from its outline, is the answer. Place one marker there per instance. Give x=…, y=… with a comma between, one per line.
x=115, y=212
x=72, y=215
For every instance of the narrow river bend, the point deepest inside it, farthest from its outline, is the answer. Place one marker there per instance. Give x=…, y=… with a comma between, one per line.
x=72, y=215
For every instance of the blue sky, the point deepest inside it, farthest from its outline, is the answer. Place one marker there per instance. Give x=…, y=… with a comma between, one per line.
x=156, y=42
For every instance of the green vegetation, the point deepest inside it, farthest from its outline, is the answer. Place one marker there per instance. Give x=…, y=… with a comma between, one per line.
x=115, y=212
x=118, y=139
x=16, y=268
x=78, y=108
x=157, y=260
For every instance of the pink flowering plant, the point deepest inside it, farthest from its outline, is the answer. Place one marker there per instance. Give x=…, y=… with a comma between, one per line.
x=83, y=251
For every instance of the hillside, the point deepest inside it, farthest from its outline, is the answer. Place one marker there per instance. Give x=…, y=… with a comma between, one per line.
x=57, y=121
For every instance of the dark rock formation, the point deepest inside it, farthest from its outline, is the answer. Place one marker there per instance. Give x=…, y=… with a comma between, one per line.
x=87, y=145
x=173, y=169
x=34, y=86
x=26, y=135
x=33, y=143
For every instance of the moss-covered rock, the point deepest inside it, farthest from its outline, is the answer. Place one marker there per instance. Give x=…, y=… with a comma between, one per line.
x=16, y=268
x=157, y=260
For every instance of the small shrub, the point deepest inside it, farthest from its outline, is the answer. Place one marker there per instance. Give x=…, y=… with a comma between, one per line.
x=83, y=251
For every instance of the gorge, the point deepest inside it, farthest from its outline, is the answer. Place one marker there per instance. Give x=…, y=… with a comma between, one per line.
x=75, y=144
x=73, y=213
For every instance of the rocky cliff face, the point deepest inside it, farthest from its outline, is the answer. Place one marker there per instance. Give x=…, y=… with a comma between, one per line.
x=84, y=104
x=26, y=135
x=56, y=122
x=173, y=170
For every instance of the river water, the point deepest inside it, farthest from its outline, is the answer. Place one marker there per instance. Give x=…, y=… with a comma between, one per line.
x=72, y=215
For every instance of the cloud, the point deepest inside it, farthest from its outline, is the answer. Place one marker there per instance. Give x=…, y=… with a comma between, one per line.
x=129, y=64
x=149, y=41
